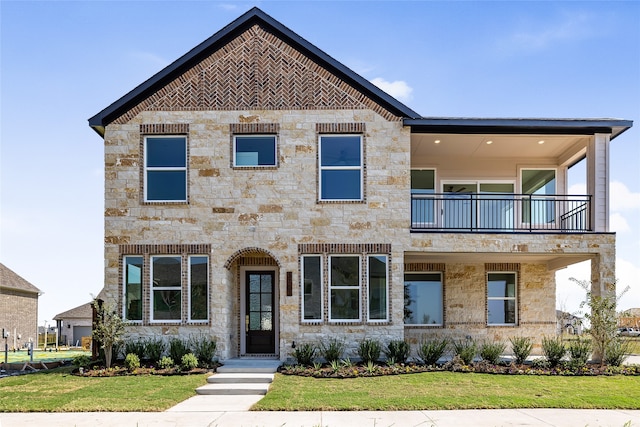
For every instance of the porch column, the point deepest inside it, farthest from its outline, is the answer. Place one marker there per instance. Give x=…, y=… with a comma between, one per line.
x=603, y=279
x=598, y=181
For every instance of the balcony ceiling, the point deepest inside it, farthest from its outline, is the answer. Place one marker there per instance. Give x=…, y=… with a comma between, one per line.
x=500, y=146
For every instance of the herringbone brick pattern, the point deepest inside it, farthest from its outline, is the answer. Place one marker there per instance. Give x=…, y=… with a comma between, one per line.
x=256, y=70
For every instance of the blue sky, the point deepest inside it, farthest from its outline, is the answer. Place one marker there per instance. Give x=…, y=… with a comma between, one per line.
x=62, y=62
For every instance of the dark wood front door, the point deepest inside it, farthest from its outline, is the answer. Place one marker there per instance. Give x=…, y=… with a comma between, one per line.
x=259, y=321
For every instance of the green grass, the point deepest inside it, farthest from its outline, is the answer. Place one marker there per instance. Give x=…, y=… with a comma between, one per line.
x=58, y=391
x=447, y=390
x=44, y=356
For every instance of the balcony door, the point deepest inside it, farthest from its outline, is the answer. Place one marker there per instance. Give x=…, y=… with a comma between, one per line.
x=477, y=205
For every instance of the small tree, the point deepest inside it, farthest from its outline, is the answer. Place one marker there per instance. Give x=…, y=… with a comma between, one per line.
x=602, y=318
x=107, y=329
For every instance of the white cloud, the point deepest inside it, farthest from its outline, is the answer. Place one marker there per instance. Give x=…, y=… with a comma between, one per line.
x=622, y=198
x=398, y=89
x=618, y=223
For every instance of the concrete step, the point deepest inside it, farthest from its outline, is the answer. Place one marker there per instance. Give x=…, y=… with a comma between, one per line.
x=240, y=378
x=233, y=389
x=249, y=366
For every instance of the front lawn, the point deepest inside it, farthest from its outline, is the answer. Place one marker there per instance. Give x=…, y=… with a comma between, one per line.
x=59, y=391
x=450, y=390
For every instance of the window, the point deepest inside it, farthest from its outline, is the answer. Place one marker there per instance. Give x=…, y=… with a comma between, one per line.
x=344, y=287
x=165, y=169
x=312, y=287
x=501, y=299
x=341, y=176
x=132, y=288
x=538, y=183
x=198, y=288
x=254, y=150
x=378, y=289
x=423, y=299
x=166, y=289
x=422, y=206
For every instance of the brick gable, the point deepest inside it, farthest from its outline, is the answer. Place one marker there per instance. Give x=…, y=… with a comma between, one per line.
x=256, y=70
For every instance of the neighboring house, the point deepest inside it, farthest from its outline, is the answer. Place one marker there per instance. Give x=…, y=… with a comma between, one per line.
x=260, y=191
x=568, y=323
x=630, y=318
x=74, y=325
x=18, y=309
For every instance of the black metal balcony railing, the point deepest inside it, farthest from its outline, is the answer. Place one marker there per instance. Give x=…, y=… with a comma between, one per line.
x=500, y=212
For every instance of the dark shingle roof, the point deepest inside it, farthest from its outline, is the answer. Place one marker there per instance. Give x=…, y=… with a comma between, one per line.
x=10, y=280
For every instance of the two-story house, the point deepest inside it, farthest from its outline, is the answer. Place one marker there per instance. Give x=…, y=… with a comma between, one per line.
x=260, y=191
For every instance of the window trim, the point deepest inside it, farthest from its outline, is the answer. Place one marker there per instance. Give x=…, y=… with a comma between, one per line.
x=257, y=135
x=514, y=298
x=322, y=168
x=190, y=293
x=368, y=285
x=125, y=283
x=442, y=299
x=146, y=169
x=330, y=288
x=302, y=293
x=152, y=320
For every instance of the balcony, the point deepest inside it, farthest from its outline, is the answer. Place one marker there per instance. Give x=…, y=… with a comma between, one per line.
x=500, y=212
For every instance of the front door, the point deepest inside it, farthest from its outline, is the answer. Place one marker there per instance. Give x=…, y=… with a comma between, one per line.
x=259, y=315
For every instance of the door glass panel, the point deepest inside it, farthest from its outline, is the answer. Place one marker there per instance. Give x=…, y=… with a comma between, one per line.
x=422, y=206
x=459, y=207
x=265, y=284
x=266, y=324
x=538, y=209
x=495, y=206
x=254, y=321
x=254, y=302
x=254, y=283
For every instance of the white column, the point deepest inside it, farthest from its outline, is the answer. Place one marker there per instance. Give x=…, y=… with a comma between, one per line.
x=598, y=181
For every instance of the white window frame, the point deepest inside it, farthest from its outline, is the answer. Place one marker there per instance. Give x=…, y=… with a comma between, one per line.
x=386, y=272
x=171, y=288
x=275, y=150
x=322, y=168
x=190, y=289
x=514, y=298
x=359, y=287
x=441, y=274
x=437, y=204
x=302, y=288
x=166, y=169
x=124, y=289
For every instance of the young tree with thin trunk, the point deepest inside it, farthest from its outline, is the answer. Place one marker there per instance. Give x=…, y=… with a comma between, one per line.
x=107, y=329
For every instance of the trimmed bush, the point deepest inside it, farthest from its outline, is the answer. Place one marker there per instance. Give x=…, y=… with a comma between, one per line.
x=398, y=351
x=430, y=351
x=465, y=349
x=369, y=350
x=521, y=347
x=579, y=351
x=553, y=349
x=132, y=362
x=81, y=361
x=154, y=348
x=616, y=351
x=204, y=348
x=332, y=349
x=305, y=354
x=491, y=351
x=189, y=361
x=166, y=363
x=177, y=348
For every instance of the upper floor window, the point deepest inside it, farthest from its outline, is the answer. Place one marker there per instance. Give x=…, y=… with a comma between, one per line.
x=341, y=171
x=254, y=150
x=501, y=298
x=165, y=169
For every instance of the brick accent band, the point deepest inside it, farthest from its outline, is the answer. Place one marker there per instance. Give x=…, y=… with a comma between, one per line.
x=241, y=128
x=423, y=266
x=169, y=249
x=164, y=128
x=344, y=248
x=340, y=127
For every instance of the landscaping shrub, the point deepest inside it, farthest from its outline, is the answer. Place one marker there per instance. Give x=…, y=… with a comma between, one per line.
x=177, y=348
x=553, y=349
x=154, y=349
x=397, y=351
x=166, y=363
x=521, y=347
x=369, y=350
x=491, y=351
x=131, y=362
x=189, y=361
x=81, y=361
x=429, y=351
x=204, y=348
x=616, y=351
x=332, y=349
x=465, y=349
x=305, y=354
x=579, y=351
x=134, y=346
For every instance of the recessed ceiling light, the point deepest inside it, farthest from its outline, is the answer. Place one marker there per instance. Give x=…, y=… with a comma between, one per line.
x=541, y=142
x=489, y=142
x=437, y=141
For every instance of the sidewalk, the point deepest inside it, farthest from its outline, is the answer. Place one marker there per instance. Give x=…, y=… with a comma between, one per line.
x=476, y=418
